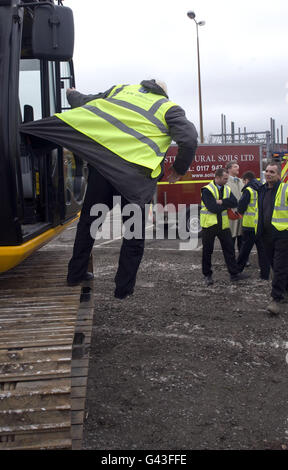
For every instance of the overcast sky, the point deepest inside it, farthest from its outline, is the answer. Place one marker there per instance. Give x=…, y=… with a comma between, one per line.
x=243, y=52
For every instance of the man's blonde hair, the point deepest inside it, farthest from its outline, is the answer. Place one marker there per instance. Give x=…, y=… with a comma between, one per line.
x=162, y=85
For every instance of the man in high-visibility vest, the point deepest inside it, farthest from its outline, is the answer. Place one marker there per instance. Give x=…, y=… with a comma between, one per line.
x=134, y=126
x=273, y=228
x=123, y=134
x=216, y=198
x=247, y=206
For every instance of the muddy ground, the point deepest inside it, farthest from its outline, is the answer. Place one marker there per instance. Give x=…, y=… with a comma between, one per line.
x=182, y=366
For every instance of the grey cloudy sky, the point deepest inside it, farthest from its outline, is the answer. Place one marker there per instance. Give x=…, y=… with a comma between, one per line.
x=243, y=50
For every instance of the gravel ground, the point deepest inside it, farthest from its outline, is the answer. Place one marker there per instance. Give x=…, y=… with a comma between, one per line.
x=179, y=365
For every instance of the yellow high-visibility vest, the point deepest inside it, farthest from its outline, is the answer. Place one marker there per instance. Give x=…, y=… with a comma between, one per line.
x=250, y=215
x=130, y=122
x=207, y=219
x=280, y=212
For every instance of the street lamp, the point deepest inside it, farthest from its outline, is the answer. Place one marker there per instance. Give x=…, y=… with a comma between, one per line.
x=192, y=16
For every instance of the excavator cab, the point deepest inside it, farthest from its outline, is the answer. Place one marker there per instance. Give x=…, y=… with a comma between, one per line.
x=42, y=186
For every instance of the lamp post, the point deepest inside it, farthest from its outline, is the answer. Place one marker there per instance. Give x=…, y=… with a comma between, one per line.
x=192, y=16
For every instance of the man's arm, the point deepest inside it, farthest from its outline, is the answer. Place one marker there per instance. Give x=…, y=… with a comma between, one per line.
x=76, y=99
x=183, y=132
x=243, y=202
x=210, y=202
x=229, y=202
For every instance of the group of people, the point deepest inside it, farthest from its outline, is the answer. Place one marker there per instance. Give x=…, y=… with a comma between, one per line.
x=123, y=134
x=259, y=215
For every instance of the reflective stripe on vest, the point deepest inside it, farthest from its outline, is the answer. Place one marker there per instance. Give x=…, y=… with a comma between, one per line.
x=130, y=122
x=250, y=215
x=284, y=169
x=207, y=218
x=280, y=212
x=120, y=125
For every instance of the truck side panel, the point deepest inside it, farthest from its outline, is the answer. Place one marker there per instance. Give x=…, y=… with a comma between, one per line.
x=208, y=158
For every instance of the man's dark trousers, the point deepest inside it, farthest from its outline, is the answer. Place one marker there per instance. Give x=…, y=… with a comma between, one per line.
x=208, y=238
x=277, y=254
x=248, y=240
x=100, y=191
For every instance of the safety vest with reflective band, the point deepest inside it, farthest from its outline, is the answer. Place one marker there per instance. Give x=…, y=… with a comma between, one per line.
x=284, y=169
x=207, y=219
x=130, y=122
x=280, y=212
x=250, y=215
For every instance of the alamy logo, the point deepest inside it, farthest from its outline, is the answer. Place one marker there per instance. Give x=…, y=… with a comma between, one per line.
x=152, y=222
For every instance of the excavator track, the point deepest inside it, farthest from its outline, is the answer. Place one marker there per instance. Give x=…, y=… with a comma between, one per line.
x=45, y=333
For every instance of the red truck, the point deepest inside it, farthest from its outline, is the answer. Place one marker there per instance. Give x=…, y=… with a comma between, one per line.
x=188, y=190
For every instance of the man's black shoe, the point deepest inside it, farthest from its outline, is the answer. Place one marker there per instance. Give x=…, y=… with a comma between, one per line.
x=87, y=277
x=239, y=277
x=208, y=280
x=122, y=295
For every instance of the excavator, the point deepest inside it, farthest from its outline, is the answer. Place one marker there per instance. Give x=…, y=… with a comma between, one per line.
x=42, y=189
